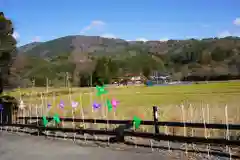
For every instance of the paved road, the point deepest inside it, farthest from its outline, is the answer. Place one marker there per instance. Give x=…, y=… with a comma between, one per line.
x=20, y=146
x=25, y=147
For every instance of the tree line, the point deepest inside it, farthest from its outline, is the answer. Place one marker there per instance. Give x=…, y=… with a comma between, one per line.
x=187, y=66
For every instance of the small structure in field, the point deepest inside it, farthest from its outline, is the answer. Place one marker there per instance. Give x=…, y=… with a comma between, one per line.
x=9, y=109
x=160, y=78
x=135, y=78
x=129, y=79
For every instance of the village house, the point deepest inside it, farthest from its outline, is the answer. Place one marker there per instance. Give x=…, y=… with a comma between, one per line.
x=160, y=77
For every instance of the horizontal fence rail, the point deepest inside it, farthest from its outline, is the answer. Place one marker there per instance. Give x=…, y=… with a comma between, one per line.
x=164, y=137
x=149, y=123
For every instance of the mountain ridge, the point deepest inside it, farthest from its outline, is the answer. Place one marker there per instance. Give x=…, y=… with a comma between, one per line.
x=108, y=46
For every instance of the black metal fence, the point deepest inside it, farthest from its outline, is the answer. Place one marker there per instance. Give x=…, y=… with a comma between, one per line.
x=124, y=125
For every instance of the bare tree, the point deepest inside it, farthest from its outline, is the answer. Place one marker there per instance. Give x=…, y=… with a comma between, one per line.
x=84, y=65
x=16, y=70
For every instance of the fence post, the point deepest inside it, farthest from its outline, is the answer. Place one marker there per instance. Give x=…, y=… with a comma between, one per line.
x=25, y=120
x=155, y=118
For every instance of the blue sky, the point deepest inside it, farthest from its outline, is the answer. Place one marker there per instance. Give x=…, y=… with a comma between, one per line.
x=42, y=20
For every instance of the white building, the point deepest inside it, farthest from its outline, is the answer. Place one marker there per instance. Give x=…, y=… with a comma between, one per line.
x=159, y=78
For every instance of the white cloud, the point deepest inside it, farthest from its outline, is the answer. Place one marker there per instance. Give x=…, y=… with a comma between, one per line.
x=96, y=24
x=36, y=39
x=227, y=34
x=16, y=35
x=224, y=34
x=141, y=39
x=164, y=39
x=108, y=35
x=237, y=21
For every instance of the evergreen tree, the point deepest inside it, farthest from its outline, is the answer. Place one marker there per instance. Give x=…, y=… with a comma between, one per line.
x=7, y=48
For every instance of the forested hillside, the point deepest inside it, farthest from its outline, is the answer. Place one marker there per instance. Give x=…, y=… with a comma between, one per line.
x=82, y=57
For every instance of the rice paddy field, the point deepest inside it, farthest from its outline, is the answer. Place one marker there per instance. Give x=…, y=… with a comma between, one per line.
x=205, y=103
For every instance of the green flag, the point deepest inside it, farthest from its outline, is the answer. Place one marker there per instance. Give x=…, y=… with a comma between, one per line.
x=45, y=121
x=136, y=121
x=56, y=118
x=109, y=105
x=101, y=90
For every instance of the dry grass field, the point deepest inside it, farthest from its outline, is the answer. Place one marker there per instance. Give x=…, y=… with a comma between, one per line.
x=204, y=103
